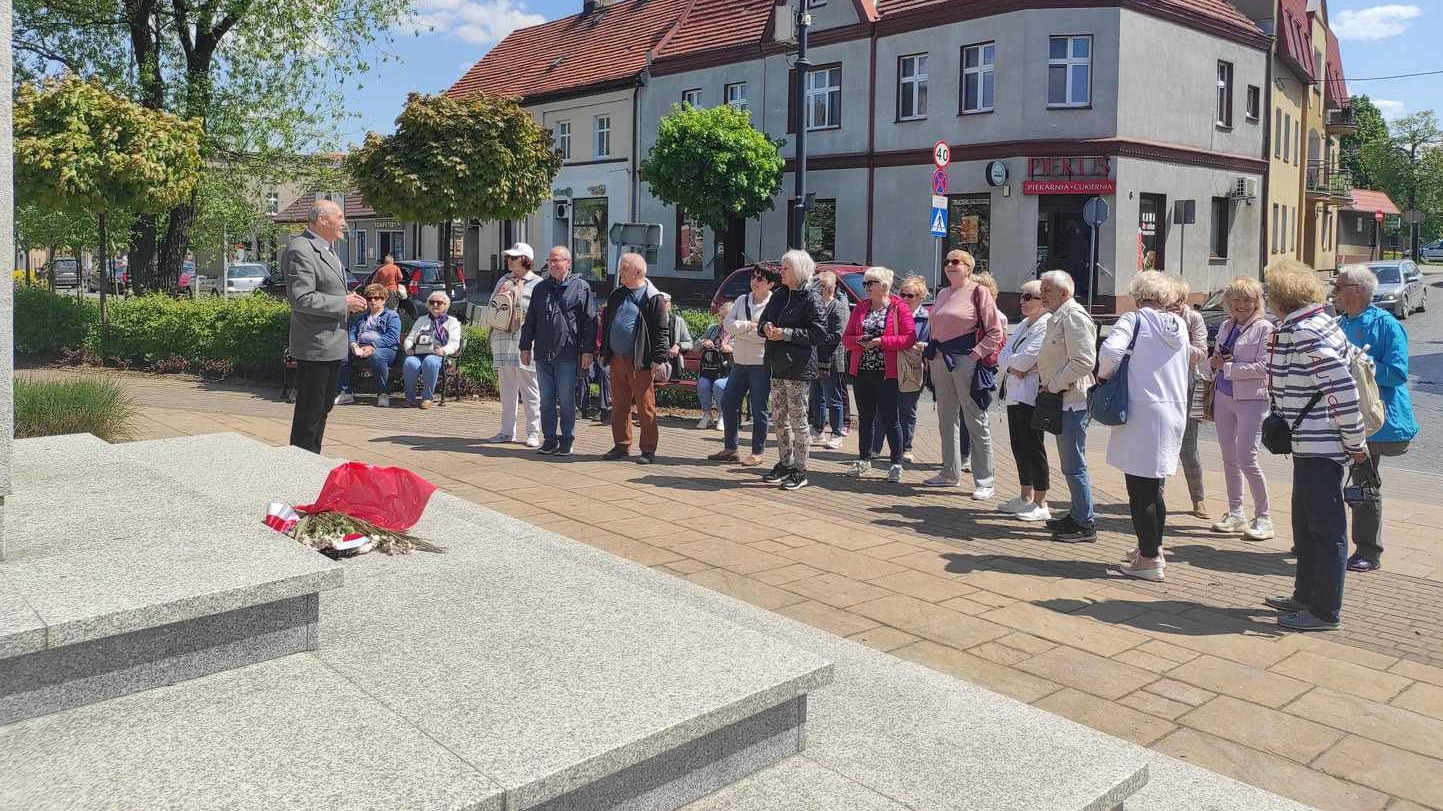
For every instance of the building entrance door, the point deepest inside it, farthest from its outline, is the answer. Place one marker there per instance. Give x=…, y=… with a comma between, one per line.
x=1063, y=239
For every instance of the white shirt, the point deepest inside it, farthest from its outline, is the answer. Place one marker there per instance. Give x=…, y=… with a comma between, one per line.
x=314, y=235
x=1020, y=353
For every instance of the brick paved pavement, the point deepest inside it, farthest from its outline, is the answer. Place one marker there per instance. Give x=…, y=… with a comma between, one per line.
x=1193, y=667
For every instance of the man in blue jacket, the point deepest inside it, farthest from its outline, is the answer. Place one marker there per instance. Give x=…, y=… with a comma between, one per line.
x=560, y=329
x=1386, y=342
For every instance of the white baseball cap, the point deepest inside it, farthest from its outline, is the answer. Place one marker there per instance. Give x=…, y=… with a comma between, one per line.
x=521, y=249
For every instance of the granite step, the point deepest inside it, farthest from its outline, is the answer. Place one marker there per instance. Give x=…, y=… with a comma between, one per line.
x=116, y=579
x=524, y=679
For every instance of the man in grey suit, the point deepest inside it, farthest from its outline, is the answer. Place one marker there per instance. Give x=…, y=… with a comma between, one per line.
x=320, y=307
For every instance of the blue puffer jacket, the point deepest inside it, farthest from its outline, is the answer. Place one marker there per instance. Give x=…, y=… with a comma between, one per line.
x=1387, y=344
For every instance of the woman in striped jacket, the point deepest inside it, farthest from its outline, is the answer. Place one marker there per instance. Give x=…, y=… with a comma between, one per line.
x=1313, y=391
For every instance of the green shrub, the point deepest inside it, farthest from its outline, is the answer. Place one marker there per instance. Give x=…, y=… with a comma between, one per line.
x=697, y=320
x=47, y=323
x=477, y=373
x=52, y=407
x=250, y=332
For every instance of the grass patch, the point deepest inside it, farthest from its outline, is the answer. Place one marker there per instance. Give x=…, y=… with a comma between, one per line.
x=54, y=407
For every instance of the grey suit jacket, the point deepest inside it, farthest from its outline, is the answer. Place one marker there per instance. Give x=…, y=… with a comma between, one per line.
x=316, y=288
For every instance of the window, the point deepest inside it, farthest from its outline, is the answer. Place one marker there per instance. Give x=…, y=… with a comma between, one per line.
x=1298, y=142
x=603, y=136
x=1293, y=232
x=1222, y=224
x=589, y=230
x=358, y=238
x=563, y=139
x=736, y=96
x=1278, y=133
x=823, y=99
x=1225, y=94
x=912, y=87
x=978, y=62
x=1283, y=235
x=691, y=97
x=820, y=233
x=1069, y=71
x=816, y=3
x=969, y=227
x=1255, y=103
x=689, y=241
x=1327, y=230
x=273, y=202
x=1287, y=137
x=1273, y=242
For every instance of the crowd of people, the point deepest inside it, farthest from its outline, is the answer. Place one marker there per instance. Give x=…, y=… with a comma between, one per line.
x=1282, y=373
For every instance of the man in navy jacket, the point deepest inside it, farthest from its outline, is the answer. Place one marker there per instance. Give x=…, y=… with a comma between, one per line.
x=560, y=332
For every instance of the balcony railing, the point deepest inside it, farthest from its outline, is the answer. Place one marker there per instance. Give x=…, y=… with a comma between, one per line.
x=1340, y=121
x=1322, y=179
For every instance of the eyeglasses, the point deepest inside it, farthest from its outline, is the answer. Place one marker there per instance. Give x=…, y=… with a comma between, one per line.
x=869, y=282
x=911, y=295
x=375, y=298
x=435, y=304
x=1029, y=297
x=954, y=261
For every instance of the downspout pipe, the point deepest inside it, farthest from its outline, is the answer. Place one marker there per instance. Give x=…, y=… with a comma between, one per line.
x=1266, y=220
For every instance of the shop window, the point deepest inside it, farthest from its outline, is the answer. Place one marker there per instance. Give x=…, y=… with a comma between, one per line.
x=689, y=242
x=589, y=231
x=969, y=226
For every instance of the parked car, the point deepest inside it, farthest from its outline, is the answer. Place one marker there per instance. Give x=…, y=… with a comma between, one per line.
x=849, y=277
x=422, y=277
x=119, y=286
x=235, y=279
x=1400, y=287
x=1432, y=252
x=274, y=283
x=65, y=270
x=186, y=280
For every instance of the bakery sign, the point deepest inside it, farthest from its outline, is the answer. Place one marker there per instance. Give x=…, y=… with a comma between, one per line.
x=1085, y=175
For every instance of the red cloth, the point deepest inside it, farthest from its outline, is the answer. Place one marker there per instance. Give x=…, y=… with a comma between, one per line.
x=390, y=497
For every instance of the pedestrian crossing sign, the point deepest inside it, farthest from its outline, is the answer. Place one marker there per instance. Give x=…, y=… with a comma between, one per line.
x=939, y=222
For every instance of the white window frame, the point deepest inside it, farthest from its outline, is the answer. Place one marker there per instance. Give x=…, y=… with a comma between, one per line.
x=1287, y=137
x=829, y=91
x=984, y=73
x=1225, y=94
x=1070, y=64
x=915, y=85
x=273, y=202
x=603, y=136
x=735, y=95
x=1253, y=103
x=563, y=139
x=1277, y=229
x=692, y=97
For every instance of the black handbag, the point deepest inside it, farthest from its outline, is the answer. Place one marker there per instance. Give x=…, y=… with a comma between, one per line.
x=1278, y=434
x=1364, y=485
x=1047, y=413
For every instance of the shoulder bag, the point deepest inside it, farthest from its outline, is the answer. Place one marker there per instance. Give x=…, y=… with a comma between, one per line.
x=1107, y=402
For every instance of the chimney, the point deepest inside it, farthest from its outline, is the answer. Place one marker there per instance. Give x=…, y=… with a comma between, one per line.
x=588, y=6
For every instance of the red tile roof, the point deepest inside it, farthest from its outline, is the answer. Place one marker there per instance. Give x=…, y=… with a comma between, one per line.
x=714, y=24
x=611, y=43
x=1373, y=201
x=1335, y=88
x=1295, y=37
x=353, y=205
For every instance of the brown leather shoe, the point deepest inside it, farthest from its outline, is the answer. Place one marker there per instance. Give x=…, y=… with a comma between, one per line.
x=723, y=456
x=1200, y=510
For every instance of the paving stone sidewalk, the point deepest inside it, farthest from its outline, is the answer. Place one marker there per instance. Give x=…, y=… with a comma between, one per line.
x=1194, y=667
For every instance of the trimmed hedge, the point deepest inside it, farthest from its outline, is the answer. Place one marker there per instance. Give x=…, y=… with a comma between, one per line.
x=48, y=324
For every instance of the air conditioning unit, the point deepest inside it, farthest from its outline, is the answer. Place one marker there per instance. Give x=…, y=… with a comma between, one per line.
x=1245, y=188
x=561, y=209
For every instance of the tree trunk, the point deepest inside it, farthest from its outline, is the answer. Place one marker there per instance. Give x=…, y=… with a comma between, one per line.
x=141, y=255
x=733, y=246
x=105, y=279
x=173, y=246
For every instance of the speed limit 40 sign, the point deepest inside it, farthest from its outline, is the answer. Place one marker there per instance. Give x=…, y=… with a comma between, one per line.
x=941, y=154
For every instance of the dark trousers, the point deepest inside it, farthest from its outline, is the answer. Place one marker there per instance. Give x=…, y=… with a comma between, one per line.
x=1028, y=449
x=1368, y=517
x=317, y=382
x=825, y=403
x=599, y=374
x=906, y=417
x=1320, y=535
x=1149, y=513
x=877, y=401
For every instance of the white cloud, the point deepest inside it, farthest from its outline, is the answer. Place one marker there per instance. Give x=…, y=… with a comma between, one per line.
x=1390, y=108
x=479, y=22
x=1375, y=22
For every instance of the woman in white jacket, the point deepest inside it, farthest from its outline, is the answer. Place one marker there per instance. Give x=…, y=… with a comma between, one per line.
x=1146, y=448
x=1018, y=364
x=433, y=338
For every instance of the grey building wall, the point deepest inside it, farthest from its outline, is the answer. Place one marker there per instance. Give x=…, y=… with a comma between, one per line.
x=7, y=248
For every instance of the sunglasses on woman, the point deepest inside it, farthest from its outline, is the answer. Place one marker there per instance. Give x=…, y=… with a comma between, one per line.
x=869, y=283
x=375, y=298
x=435, y=304
x=1029, y=297
x=911, y=295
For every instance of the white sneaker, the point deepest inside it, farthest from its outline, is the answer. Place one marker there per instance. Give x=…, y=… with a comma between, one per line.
x=940, y=481
x=983, y=493
x=817, y=438
x=703, y=423
x=345, y=398
x=894, y=473
x=908, y=457
x=1261, y=530
x=1016, y=506
x=859, y=468
x=834, y=443
x=1036, y=512
x=719, y=425
x=383, y=401
x=533, y=441
x=499, y=437
x=1142, y=568
x=967, y=465
x=1231, y=522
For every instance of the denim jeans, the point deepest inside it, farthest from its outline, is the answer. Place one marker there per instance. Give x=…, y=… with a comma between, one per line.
x=380, y=364
x=1320, y=534
x=557, y=380
x=877, y=412
x=711, y=392
x=744, y=380
x=428, y=367
x=1072, y=453
x=907, y=416
x=825, y=404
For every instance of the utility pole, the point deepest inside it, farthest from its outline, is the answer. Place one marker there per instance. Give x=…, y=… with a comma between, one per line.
x=799, y=216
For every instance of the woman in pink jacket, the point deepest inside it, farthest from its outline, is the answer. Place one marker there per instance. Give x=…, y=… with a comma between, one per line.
x=878, y=329
x=1239, y=364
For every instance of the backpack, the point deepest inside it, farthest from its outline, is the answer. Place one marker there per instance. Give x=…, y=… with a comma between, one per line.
x=503, y=311
x=1370, y=402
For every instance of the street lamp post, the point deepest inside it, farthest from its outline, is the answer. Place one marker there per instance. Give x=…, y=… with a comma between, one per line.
x=799, y=215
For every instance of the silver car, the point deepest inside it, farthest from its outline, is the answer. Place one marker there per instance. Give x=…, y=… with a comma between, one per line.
x=1400, y=287
x=242, y=278
x=1432, y=252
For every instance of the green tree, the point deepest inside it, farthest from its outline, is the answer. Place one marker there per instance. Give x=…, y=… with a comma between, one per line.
x=714, y=165
x=1360, y=150
x=81, y=149
x=480, y=157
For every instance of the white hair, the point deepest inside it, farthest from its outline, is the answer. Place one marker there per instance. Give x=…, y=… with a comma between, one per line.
x=320, y=207
x=439, y=294
x=1060, y=279
x=802, y=265
x=1361, y=275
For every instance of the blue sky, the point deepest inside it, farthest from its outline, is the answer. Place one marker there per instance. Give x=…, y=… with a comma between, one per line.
x=447, y=36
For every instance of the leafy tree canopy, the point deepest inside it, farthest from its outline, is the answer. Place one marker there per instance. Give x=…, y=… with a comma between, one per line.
x=713, y=164
x=480, y=157
x=79, y=147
